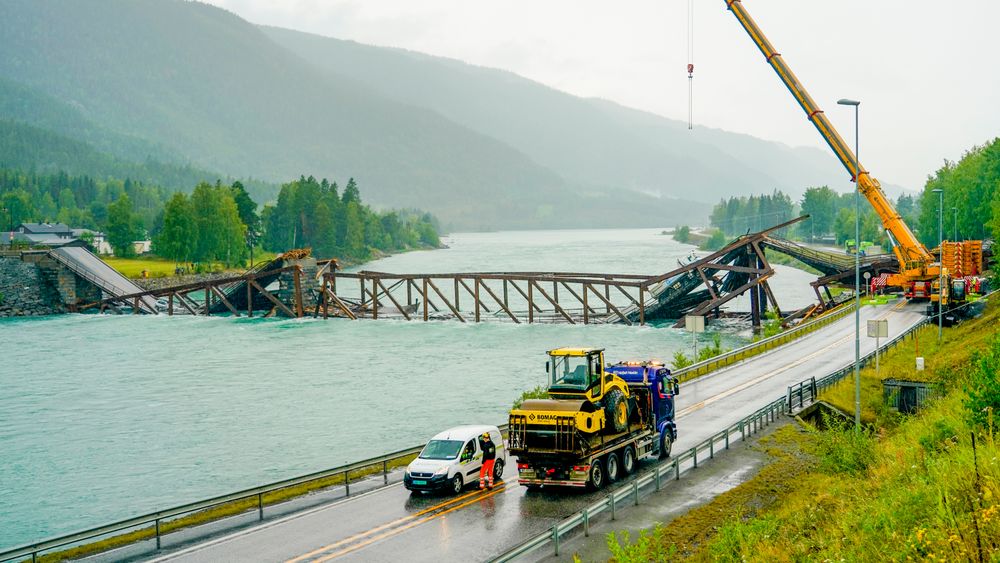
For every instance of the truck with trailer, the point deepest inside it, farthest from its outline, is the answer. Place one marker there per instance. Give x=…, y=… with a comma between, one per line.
x=598, y=421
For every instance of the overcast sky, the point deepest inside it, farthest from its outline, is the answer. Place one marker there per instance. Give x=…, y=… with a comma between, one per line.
x=923, y=69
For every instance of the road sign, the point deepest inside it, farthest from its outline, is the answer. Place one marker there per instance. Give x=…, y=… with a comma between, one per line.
x=694, y=323
x=878, y=329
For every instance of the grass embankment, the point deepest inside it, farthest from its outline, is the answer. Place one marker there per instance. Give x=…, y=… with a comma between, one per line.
x=224, y=510
x=907, y=488
x=162, y=268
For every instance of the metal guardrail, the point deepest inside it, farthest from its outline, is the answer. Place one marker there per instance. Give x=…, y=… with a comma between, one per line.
x=156, y=518
x=805, y=391
x=761, y=346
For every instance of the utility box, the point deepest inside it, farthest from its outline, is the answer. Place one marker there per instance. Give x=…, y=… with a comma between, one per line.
x=905, y=396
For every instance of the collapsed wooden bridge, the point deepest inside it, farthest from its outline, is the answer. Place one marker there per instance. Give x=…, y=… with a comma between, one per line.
x=297, y=285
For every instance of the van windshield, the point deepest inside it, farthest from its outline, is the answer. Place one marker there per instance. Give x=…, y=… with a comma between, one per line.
x=441, y=449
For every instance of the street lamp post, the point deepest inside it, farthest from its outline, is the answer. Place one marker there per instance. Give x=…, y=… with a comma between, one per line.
x=940, y=311
x=857, y=264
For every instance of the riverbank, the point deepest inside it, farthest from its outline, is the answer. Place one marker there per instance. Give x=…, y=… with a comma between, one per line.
x=924, y=486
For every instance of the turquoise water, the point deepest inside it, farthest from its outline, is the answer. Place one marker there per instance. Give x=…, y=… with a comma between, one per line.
x=106, y=417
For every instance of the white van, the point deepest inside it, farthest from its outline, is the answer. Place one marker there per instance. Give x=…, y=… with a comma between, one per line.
x=452, y=459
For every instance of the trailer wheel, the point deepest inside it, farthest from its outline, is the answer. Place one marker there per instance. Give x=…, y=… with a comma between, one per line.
x=665, y=444
x=614, y=468
x=616, y=410
x=628, y=460
x=596, y=479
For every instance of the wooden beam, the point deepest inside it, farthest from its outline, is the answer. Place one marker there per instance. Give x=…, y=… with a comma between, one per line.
x=503, y=306
x=474, y=293
x=298, y=292
x=277, y=302
x=423, y=293
x=525, y=295
x=343, y=307
x=555, y=304
x=711, y=289
x=454, y=311
x=577, y=296
x=607, y=302
x=225, y=301
x=393, y=299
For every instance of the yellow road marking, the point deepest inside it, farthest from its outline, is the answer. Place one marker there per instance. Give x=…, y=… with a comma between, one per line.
x=500, y=488
x=384, y=526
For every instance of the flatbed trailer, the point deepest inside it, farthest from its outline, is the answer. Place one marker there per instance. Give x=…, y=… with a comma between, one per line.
x=560, y=455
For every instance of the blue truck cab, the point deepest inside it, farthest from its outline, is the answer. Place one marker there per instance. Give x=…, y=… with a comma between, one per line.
x=663, y=387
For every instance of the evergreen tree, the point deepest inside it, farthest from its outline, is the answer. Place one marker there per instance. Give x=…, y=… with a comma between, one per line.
x=122, y=228
x=178, y=238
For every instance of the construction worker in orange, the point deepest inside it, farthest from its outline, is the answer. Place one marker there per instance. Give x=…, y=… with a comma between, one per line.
x=489, y=456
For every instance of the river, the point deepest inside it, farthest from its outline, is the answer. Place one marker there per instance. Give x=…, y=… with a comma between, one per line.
x=106, y=417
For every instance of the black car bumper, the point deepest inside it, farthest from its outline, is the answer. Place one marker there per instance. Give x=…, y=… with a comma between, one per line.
x=434, y=483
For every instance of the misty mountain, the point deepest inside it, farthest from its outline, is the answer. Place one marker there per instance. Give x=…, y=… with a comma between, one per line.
x=583, y=140
x=196, y=84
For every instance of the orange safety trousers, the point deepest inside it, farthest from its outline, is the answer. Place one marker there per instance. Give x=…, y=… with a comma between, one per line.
x=486, y=473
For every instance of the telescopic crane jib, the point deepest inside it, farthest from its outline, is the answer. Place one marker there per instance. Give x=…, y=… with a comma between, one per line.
x=916, y=264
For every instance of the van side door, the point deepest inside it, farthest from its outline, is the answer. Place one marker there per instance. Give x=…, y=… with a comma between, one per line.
x=472, y=458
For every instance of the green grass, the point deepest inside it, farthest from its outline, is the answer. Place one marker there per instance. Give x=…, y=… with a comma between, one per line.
x=908, y=488
x=216, y=513
x=162, y=268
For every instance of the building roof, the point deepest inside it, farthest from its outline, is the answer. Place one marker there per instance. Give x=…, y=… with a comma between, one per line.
x=47, y=239
x=45, y=228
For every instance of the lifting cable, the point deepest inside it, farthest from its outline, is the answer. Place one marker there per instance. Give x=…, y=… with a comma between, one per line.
x=690, y=66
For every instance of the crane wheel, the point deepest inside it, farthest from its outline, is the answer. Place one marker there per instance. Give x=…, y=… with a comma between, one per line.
x=616, y=410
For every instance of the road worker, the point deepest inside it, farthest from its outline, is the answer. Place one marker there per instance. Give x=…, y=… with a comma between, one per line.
x=489, y=456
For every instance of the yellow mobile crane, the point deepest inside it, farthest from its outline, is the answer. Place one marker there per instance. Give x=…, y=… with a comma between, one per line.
x=918, y=271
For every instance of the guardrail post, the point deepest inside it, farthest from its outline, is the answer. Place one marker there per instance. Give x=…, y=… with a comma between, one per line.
x=34, y=557
x=694, y=454
x=586, y=523
x=260, y=506
x=347, y=483
x=743, y=431
x=657, y=472
x=789, y=397
x=385, y=472
x=727, y=437
x=612, y=505
x=157, y=533
x=677, y=470
x=635, y=491
x=711, y=448
x=814, y=388
x=555, y=538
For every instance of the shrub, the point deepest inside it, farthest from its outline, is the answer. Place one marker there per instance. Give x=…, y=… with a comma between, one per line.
x=536, y=393
x=681, y=361
x=984, y=386
x=844, y=449
x=682, y=234
x=646, y=547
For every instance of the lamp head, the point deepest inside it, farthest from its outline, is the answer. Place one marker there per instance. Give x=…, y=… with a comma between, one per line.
x=848, y=102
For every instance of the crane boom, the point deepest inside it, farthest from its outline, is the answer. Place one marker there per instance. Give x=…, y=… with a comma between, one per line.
x=915, y=262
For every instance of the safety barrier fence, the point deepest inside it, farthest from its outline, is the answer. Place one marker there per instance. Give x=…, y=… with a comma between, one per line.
x=798, y=395
x=761, y=346
x=153, y=522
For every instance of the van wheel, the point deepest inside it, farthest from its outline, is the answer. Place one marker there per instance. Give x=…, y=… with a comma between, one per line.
x=457, y=484
x=665, y=444
x=628, y=460
x=597, y=478
x=498, y=469
x=614, y=469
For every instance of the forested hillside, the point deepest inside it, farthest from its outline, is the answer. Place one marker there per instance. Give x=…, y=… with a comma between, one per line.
x=216, y=91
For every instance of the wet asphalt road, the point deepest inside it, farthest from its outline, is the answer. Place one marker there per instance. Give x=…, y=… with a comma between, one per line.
x=390, y=524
